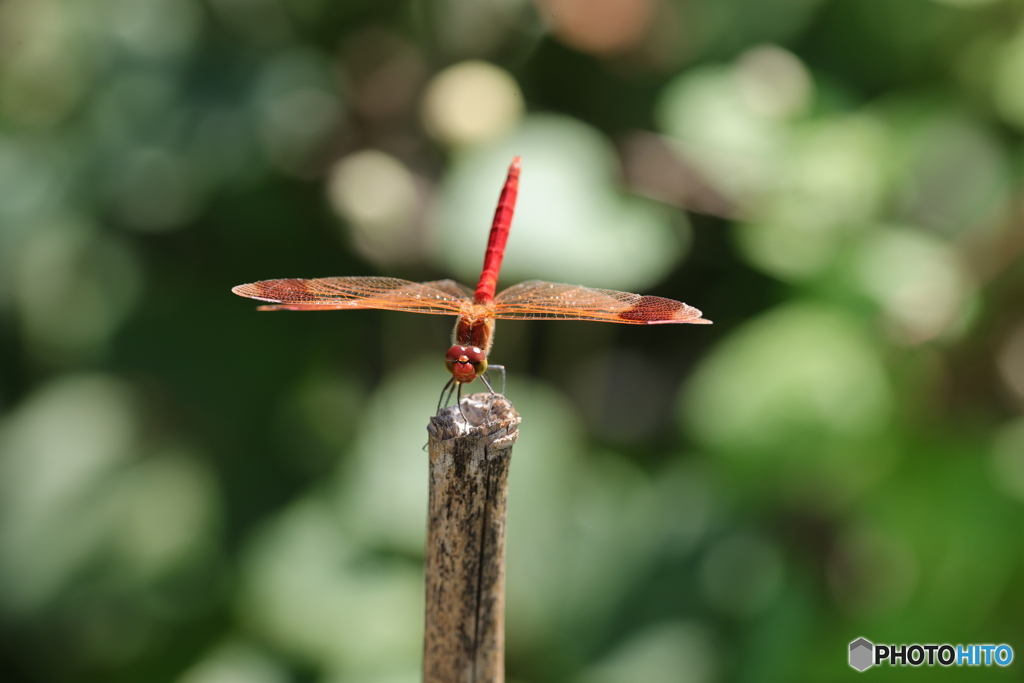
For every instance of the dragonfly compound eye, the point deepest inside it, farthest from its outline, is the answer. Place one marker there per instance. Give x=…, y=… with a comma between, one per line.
x=465, y=362
x=454, y=354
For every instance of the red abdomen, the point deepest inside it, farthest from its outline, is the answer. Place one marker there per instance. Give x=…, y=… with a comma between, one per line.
x=499, y=235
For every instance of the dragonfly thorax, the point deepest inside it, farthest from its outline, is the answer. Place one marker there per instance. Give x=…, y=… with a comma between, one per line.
x=465, y=363
x=474, y=331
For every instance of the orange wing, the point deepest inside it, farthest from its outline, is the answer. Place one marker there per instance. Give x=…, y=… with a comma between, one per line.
x=444, y=297
x=537, y=300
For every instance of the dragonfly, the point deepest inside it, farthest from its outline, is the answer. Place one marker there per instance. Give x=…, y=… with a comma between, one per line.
x=476, y=310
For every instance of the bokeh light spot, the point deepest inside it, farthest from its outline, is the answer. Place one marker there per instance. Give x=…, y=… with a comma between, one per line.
x=670, y=652
x=598, y=26
x=917, y=280
x=314, y=594
x=72, y=288
x=1009, y=74
x=46, y=60
x=956, y=178
x=470, y=103
x=786, y=384
x=714, y=126
x=296, y=108
x=378, y=197
x=56, y=452
x=236, y=661
x=154, y=28
x=774, y=81
x=823, y=191
x=168, y=510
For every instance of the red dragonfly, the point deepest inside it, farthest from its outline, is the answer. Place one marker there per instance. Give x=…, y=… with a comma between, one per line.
x=474, y=331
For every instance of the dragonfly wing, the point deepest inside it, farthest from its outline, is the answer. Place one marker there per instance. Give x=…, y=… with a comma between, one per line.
x=538, y=300
x=445, y=297
x=456, y=289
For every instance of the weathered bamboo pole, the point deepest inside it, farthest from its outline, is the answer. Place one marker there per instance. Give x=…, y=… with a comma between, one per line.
x=464, y=636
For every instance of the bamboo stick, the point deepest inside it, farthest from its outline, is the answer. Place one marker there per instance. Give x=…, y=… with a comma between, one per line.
x=464, y=636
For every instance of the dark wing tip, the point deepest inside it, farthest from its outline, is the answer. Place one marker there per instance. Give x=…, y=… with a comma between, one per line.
x=261, y=291
x=252, y=290
x=656, y=310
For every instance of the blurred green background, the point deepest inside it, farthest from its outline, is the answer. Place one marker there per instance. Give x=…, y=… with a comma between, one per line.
x=194, y=492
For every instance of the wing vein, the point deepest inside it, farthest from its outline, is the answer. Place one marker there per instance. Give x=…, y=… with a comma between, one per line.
x=331, y=293
x=538, y=300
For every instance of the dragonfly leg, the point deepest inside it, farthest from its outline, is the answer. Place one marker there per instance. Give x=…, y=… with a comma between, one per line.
x=487, y=383
x=459, y=385
x=449, y=387
x=501, y=369
x=483, y=378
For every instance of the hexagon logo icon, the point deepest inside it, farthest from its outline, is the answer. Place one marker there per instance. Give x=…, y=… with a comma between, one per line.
x=861, y=654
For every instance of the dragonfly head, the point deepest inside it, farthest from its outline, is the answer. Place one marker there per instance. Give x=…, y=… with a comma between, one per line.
x=465, y=363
